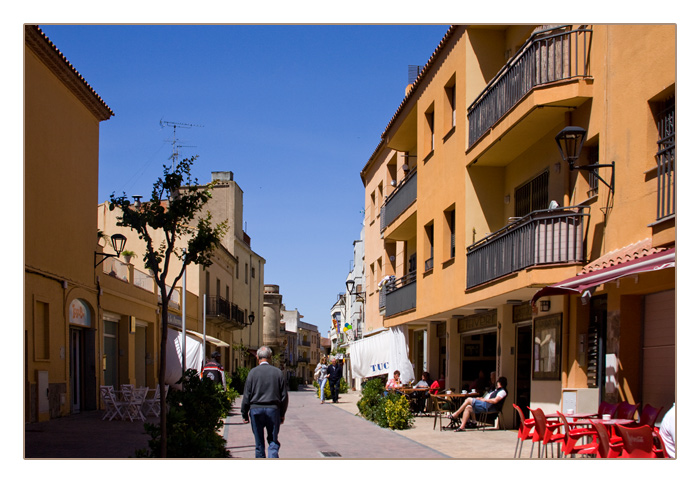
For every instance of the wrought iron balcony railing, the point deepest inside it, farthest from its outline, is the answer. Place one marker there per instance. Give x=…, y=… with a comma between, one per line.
x=226, y=312
x=539, y=238
x=550, y=55
x=401, y=294
x=402, y=197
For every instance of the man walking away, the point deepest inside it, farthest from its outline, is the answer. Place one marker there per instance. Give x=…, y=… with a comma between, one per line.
x=214, y=370
x=335, y=372
x=265, y=403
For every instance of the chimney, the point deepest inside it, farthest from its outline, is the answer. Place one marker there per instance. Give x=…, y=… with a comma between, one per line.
x=222, y=176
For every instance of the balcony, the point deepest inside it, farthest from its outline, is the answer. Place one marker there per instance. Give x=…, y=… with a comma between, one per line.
x=539, y=238
x=399, y=201
x=401, y=295
x=225, y=313
x=553, y=55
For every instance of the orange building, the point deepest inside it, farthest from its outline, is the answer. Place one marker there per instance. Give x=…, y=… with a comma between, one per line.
x=481, y=238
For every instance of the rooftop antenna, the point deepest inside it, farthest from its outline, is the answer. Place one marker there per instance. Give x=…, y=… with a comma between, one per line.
x=176, y=147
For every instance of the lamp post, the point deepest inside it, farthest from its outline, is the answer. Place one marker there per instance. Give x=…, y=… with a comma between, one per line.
x=570, y=143
x=350, y=285
x=118, y=243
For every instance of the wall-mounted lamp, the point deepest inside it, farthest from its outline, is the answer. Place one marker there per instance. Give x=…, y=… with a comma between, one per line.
x=570, y=142
x=118, y=243
x=545, y=305
x=251, y=318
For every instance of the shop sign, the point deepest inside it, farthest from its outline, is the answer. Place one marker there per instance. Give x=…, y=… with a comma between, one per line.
x=79, y=313
x=486, y=320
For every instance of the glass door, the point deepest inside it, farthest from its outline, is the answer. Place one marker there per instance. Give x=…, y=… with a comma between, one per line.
x=109, y=357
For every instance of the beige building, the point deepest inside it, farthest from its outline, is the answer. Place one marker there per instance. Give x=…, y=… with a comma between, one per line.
x=224, y=301
x=62, y=116
x=471, y=211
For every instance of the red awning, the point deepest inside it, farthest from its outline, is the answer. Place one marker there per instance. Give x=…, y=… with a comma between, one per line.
x=581, y=283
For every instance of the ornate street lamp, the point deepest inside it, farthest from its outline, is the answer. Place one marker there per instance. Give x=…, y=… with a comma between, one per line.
x=570, y=143
x=118, y=243
x=251, y=318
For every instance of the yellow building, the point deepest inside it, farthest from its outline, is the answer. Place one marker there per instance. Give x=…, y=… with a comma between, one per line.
x=232, y=286
x=61, y=129
x=472, y=213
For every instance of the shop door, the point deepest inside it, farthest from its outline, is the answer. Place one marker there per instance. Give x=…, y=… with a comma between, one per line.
x=140, y=356
x=523, y=370
x=659, y=350
x=109, y=357
x=76, y=369
x=597, y=335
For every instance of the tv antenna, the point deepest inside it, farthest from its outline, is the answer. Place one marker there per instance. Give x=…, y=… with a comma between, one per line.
x=176, y=147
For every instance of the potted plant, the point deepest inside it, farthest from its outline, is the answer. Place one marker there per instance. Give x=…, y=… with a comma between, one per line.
x=127, y=254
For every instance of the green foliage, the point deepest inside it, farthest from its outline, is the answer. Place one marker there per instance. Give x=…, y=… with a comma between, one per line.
x=238, y=379
x=231, y=392
x=294, y=383
x=398, y=413
x=326, y=390
x=194, y=419
x=390, y=411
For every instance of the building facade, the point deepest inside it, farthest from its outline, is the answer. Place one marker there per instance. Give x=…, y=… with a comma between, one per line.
x=481, y=237
x=62, y=116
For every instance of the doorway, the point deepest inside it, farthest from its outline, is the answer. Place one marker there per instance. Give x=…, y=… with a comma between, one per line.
x=110, y=360
x=76, y=369
x=523, y=370
x=597, y=336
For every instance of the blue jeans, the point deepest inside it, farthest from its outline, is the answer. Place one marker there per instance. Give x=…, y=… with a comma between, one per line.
x=262, y=419
x=323, y=387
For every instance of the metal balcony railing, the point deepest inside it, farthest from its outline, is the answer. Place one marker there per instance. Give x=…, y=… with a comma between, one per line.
x=555, y=54
x=401, y=294
x=225, y=311
x=539, y=238
x=402, y=197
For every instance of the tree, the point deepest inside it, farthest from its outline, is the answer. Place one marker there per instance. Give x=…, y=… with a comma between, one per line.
x=169, y=215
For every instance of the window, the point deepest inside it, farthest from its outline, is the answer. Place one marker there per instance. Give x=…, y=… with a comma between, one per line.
x=245, y=274
x=451, y=93
x=430, y=128
x=449, y=233
x=666, y=158
x=429, y=246
x=533, y=195
x=592, y=178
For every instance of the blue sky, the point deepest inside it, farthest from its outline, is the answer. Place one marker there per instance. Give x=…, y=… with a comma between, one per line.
x=293, y=111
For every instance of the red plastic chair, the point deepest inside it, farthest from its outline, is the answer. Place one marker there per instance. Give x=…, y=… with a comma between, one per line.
x=525, y=431
x=544, y=433
x=572, y=436
x=639, y=443
x=605, y=448
x=649, y=415
x=606, y=408
x=626, y=410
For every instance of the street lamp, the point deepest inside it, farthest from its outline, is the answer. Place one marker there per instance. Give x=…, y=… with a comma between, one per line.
x=350, y=285
x=570, y=143
x=251, y=318
x=118, y=243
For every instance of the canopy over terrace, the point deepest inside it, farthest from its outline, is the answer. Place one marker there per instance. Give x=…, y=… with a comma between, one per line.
x=586, y=283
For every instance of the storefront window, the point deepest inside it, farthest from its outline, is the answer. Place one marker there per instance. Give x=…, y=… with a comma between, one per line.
x=546, y=349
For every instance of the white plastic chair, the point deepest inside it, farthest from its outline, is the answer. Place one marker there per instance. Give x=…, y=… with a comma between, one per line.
x=134, y=402
x=152, y=405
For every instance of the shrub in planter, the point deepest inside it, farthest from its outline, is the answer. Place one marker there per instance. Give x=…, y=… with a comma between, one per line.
x=194, y=418
x=398, y=412
x=390, y=411
x=238, y=379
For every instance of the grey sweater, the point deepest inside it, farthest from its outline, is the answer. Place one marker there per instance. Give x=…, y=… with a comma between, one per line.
x=265, y=386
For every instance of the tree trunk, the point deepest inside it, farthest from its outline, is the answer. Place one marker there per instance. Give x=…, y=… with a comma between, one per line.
x=161, y=377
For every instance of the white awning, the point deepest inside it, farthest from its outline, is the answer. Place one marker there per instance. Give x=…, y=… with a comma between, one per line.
x=210, y=339
x=193, y=359
x=383, y=353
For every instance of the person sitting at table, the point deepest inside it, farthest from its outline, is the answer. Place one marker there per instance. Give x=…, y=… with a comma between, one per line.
x=476, y=405
x=424, y=380
x=395, y=382
x=438, y=385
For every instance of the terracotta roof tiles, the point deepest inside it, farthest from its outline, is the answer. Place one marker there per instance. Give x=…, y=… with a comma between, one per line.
x=630, y=252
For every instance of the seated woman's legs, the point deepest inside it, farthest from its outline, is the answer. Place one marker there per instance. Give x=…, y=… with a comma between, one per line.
x=468, y=415
x=466, y=403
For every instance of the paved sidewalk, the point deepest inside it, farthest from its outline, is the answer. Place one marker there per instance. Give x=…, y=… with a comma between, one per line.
x=312, y=428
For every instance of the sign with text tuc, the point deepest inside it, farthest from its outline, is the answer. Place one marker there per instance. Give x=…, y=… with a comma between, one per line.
x=79, y=313
x=381, y=354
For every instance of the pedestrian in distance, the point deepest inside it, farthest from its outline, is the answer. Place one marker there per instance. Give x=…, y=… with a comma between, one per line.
x=321, y=376
x=265, y=402
x=214, y=370
x=335, y=373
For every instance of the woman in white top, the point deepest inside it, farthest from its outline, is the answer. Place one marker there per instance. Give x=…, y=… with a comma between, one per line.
x=321, y=375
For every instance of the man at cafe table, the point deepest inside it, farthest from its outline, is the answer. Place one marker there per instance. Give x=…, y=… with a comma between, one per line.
x=474, y=405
